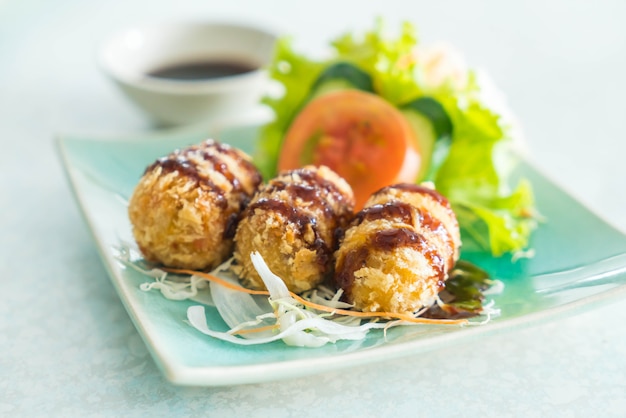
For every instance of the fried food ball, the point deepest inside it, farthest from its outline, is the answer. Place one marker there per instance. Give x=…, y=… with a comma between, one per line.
x=185, y=208
x=396, y=254
x=292, y=223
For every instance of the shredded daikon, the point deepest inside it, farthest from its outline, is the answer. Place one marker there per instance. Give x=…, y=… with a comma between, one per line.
x=171, y=287
x=310, y=332
x=295, y=323
x=313, y=319
x=240, y=310
x=324, y=296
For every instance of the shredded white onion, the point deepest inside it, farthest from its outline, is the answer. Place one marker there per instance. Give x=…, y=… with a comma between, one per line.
x=273, y=283
x=257, y=319
x=176, y=290
x=171, y=287
x=309, y=332
x=295, y=325
x=322, y=295
x=241, y=310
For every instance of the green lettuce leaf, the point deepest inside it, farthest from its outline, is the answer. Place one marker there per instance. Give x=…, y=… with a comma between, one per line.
x=390, y=62
x=478, y=187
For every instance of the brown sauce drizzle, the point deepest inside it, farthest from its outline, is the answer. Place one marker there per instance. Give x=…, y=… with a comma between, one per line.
x=311, y=177
x=416, y=188
x=231, y=225
x=183, y=162
x=300, y=220
x=189, y=169
x=388, y=240
x=396, y=210
x=426, y=220
x=403, y=212
x=221, y=167
x=210, y=151
x=435, y=226
x=351, y=263
x=306, y=192
x=251, y=171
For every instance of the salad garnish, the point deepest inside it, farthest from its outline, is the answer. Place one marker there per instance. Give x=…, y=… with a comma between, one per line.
x=467, y=142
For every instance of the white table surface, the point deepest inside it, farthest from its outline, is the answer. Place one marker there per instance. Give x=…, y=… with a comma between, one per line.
x=67, y=346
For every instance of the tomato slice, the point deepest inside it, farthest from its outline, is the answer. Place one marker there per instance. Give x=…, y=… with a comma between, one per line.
x=359, y=135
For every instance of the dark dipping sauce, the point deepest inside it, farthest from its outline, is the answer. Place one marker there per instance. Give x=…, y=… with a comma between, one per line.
x=202, y=71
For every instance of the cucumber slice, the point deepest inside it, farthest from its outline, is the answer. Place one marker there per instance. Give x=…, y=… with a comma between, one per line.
x=433, y=111
x=342, y=76
x=431, y=124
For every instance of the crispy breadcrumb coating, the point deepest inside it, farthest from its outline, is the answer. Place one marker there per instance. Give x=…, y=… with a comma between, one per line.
x=185, y=208
x=292, y=222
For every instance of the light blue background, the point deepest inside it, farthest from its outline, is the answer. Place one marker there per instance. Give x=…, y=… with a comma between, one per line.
x=67, y=345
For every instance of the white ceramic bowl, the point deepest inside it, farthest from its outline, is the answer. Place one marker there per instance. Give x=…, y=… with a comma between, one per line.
x=130, y=56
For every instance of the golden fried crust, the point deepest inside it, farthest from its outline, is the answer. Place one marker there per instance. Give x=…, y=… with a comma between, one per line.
x=185, y=207
x=433, y=218
x=396, y=254
x=291, y=222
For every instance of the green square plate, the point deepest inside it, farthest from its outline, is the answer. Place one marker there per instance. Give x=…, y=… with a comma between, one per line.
x=580, y=262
